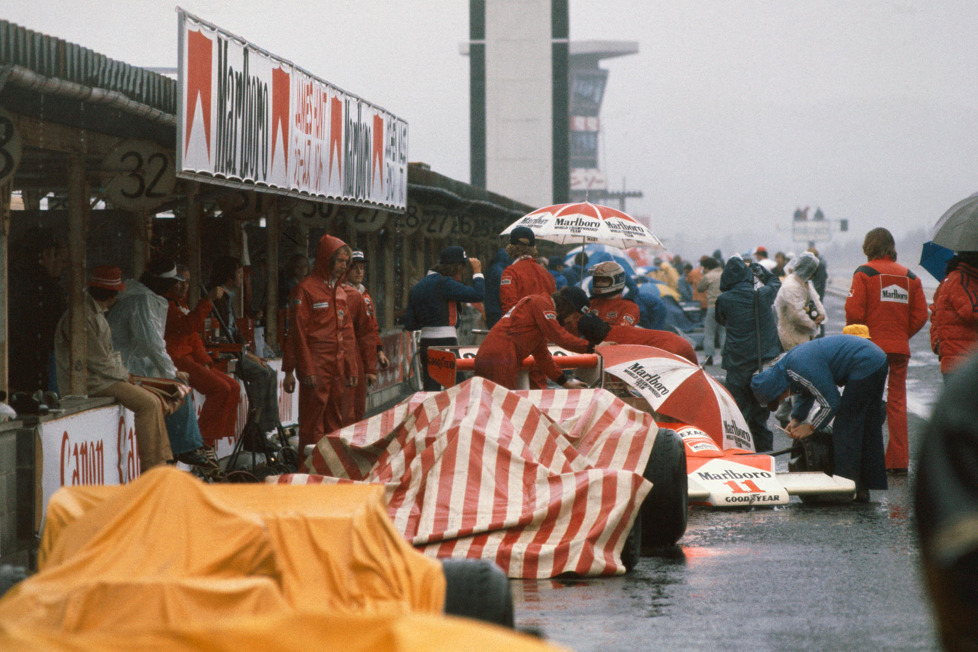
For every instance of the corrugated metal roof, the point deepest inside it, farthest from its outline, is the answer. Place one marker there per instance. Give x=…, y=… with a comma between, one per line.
x=53, y=57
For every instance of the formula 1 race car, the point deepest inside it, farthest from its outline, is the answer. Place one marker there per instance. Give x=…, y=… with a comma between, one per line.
x=722, y=466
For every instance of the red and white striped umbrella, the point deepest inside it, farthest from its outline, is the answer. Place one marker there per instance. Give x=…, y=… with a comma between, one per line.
x=586, y=223
x=677, y=388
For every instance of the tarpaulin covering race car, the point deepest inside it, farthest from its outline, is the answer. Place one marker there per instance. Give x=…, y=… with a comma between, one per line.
x=542, y=482
x=169, y=562
x=723, y=468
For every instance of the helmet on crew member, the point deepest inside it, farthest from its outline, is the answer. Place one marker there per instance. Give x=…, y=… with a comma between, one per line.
x=607, y=278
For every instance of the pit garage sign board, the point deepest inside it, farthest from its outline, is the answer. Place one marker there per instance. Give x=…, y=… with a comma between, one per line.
x=250, y=119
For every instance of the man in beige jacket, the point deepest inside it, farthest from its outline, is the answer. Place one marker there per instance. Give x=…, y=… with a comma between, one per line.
x=106, y=375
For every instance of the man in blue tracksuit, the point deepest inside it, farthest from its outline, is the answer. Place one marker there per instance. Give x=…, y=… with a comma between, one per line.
x=747, y=293
x=433, y=303
x=814, y=370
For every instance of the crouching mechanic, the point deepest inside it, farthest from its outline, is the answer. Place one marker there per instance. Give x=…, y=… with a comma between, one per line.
x=814, y=370
x=529, y=327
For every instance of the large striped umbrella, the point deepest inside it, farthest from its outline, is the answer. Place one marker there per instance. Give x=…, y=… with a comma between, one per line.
x=675, y=387
x=586, y=223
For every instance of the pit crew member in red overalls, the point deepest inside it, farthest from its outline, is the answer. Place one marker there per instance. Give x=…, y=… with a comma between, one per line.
x=528, y=328
x=186, y=348
x=315, y=348
x=370, y=352
x=889, y=299
x=525, y=276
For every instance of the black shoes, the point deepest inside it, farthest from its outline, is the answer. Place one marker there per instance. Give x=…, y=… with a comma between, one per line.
x=708, y=362
x=194, y=458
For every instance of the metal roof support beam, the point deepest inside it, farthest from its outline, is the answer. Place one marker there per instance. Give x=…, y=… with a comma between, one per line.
x=193, y=241
x=273, y=222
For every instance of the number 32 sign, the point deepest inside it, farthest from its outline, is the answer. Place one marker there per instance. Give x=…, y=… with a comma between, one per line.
x=141, y=176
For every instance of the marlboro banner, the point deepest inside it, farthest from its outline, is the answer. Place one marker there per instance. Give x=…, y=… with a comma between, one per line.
x=252, y=120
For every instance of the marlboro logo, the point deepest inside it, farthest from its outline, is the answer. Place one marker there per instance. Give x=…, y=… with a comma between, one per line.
x=895, y=294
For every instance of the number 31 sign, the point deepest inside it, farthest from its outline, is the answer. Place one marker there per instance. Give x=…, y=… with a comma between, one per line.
x=140, y=176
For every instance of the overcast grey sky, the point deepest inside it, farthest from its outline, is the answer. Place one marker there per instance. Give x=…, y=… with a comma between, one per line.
x=733, y=113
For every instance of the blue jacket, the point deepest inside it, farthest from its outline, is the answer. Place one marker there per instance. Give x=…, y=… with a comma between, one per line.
x=494, y=308
x=748, y=337
x=433, y=301
x=814, y=370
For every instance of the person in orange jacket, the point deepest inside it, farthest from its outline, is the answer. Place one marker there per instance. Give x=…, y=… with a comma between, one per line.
x=528, y=328
x=370, y=351
x=889, y=299
x=525, y=276
x=219, y=413
x=315, y=349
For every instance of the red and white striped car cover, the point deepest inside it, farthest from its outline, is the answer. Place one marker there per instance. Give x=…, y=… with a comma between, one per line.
x=542, y=482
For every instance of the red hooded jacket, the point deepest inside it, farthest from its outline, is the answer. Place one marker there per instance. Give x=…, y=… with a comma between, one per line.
x=889, y=299
x=320, y=314
x=954, y=317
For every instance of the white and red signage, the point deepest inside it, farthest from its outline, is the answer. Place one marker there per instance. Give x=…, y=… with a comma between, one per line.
x=94, y=447
x=250, y=119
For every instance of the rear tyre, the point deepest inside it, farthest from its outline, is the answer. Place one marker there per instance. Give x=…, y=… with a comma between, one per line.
x=664, y=510
x=632, y=551
x=477, y=588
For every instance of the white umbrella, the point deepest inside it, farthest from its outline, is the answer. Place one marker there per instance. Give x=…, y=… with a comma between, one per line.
x=587, y=223
x=958, y=227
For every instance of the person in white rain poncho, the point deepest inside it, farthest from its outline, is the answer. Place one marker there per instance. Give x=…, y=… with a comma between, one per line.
x=797, y=305
x=138, y=320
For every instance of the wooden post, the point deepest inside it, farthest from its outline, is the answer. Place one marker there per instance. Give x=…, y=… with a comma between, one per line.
x=142, y=243
x=273, y=225
x=77, y=244
x=193, y=242
x=5, y=192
